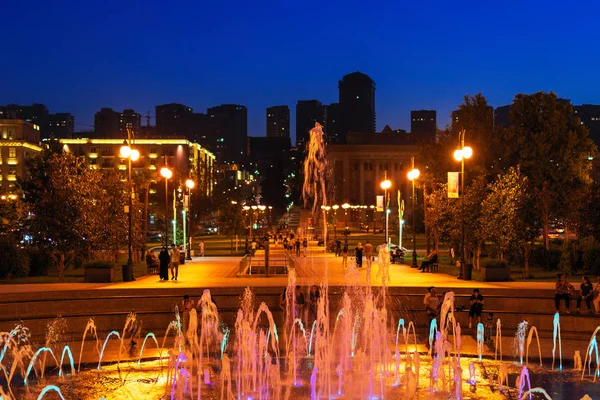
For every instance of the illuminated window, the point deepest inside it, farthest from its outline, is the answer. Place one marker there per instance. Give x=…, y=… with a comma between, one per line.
x=12, y=152
x=93, y=150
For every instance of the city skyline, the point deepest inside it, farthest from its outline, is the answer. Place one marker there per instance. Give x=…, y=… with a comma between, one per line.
x=278, y=61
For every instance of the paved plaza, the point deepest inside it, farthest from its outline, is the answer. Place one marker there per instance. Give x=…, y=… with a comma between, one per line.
x=211, y=272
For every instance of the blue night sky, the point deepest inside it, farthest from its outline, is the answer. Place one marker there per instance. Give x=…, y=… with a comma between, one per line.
x=79, y=56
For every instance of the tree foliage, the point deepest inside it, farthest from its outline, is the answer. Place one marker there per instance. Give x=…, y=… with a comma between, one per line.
x=507, y=218
x=550, y=144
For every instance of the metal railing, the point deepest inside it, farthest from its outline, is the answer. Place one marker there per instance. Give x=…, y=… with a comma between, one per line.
x=252, y=266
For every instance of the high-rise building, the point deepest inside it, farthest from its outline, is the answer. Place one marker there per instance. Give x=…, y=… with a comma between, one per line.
x=332, y=112
x=423, y=124
x=308, y=112
x=229, y=128
x=278, y=121
x=60, y=125
x=173, y=119
x=357, y=104
x=107, y=123
x=129, y=119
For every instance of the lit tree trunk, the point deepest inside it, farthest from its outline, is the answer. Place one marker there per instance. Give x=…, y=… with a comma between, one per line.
x=425, y=218
x=545, y=215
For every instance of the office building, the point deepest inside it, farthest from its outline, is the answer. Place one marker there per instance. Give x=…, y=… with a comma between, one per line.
x=60, y=125
x=229, y=130
x=184, y=157
x=36, y=113
x=174, y=120
x=19, y=140
x=423, y=125
x=357, y=104
x=129, y=119
x=107, y=123
x=308, y=112
x=278, y=121
x=332, y=112
x=358, y=170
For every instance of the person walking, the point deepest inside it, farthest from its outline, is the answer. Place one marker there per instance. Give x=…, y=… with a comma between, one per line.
x=164, y=259
x=338, y=248
x=563, y=292
x=253, y=247
x=358, y=252
x=476, y=302
x=305, y=245
x=201, y=248
x=345, y=257
x=587, y=294
x=174, y=262
x=298, y=244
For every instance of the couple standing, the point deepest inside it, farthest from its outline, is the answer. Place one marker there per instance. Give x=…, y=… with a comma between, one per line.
x=169, y=261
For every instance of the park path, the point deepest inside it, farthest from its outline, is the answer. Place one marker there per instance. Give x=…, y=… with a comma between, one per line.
x=207, y=272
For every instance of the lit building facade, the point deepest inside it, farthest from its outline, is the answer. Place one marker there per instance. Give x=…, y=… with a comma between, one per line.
x=187, y=159
x=19, y=140
x=358, y=170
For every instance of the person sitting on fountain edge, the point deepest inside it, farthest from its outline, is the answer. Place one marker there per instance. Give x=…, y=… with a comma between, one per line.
x=476, y=302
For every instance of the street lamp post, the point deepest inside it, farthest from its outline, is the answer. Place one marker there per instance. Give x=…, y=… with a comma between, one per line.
x=460, y=154
x=254, y=208
x=413, y=174
x=186, y=214
x=385, y=185
x=335, y=207
x=262, y=210
x=132, y=155
x=166, y=173
x=247, y=211
x=345, y=207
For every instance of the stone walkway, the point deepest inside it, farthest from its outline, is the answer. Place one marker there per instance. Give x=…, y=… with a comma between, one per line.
x=222, y=272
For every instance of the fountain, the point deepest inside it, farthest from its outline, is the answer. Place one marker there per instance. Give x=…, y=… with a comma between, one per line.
x=480, y=339
x=555, y=335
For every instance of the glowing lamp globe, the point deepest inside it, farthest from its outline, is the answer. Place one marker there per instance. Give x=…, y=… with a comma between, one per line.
x=190, y=183
x=386, y=184
x=134, y=155
x=458, y=155
x=467, y=152
x=125, y=151
x=166, y=173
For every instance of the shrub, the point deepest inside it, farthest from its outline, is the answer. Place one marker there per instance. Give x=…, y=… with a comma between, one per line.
x=14, y=262
x=590, y=254
x=566, y=260
x=99, y=264
x=495, y=264
x=39, y=262
x=546, y=259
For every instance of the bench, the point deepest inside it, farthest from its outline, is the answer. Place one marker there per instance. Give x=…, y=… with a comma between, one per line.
x=433, y=267
x=152, y=269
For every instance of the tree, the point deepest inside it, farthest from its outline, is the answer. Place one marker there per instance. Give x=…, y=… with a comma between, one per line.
x=64, y=196
x=551, y=146
x=507, y=217
x=231, y=221
x=476, y=117
x=12, y=212
x=587, y=217
x=441, y=217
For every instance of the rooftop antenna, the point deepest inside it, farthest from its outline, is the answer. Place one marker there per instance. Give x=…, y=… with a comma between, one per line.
x=148, y=119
